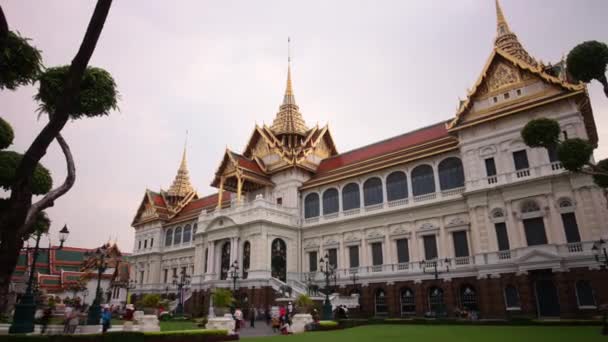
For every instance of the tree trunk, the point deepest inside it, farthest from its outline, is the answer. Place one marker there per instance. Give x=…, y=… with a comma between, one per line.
x=10, y=246
x=604, y=83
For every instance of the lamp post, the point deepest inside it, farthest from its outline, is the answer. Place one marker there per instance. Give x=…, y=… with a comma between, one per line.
x=25, y=310
x=182, y=281
x=600, y=253
x=234, y=275
x=131, y=285
x=85, y=293
x=327, y=270
x=98, y=261
x=434, y=269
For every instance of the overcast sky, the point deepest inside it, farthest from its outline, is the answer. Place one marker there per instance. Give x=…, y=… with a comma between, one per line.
x=371, y=69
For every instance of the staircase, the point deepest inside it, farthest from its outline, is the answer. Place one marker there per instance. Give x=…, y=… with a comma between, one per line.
x=297, y=287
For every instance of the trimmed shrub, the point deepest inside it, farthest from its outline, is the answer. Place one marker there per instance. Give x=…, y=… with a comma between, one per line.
x=328, y=325
x=168, y=336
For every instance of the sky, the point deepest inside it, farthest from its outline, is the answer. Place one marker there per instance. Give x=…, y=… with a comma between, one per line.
x=371, y=69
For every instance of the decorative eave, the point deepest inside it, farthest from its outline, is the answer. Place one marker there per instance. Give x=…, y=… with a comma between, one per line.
x=241, y=167
x=155, y=213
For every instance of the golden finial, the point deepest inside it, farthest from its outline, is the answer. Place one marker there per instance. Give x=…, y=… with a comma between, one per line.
x=501, y=23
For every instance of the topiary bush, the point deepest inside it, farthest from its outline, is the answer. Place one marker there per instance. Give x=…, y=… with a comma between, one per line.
x=98, y=94
x=541, y=132
x=6, y=134
x=574, y=153
x=602, y=180
x=9, y=161
x=20, y=63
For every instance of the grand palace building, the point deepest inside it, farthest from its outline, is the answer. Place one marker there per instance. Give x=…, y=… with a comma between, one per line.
x=457, y=215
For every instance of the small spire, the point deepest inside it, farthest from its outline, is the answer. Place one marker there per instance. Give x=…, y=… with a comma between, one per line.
x=181, y=184
x=289, y=98
x=502, y=27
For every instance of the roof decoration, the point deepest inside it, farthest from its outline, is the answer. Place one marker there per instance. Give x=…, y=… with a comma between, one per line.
x=289, y=121
x=181, y=186
x=507, y=40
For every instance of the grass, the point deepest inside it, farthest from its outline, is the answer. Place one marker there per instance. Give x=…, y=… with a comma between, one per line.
x=394, y=333
x=177, y=325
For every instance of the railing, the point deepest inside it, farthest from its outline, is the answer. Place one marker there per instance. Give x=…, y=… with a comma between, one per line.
x=330, y=216
x=398, y=202
x=374, y=207
x=425, y=197
x=452, y=192
x=376, y=268
x=556, y=166
x=429, y=263
x=504, y=255
x=403, y=266
x=522, y=173
x=575, y=247
x=351, y=212
x=464, y=260
x=311, y=220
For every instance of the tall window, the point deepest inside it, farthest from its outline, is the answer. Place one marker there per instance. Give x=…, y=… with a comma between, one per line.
x=145, y=244
x=436, y=305
x=187, y=234
x=430, y=247
x=511, y=297
x=139, y=244
x=501, y=236
x=177, y=236
x=423, y=180
x=520, y=159
x=353, y=255
x=372, y=191
x=141, y=277
x=468, y=297
x=451, y=174
x=165, y=275
x=403, y=254
x=380, y=301
x=584, y=294
x=408, y=302
x=535, y=231
x=311, y=205
x=168, y=237
x=246, y=258
x=330, y=201
x=332, y=254
x=312, y=261
x=396, y=186
x=377, y=253
x=571, y=228
x=461, y=245
x=490, y=167
x=194, y=231
x=552, y=152
x=225, y=261
x=350, y=196
x=206, y=258
x=151, y=242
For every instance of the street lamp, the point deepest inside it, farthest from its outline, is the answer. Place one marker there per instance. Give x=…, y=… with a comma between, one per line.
x=98, y=261
x=131, y=285
x=181, y=281
x=601, y=256
x=434, y=269
x=234, y=274
x=25, y=310
x=354, y=277
x=327, y=269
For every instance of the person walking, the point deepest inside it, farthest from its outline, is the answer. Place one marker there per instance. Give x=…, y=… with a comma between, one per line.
x=73, y=321
x=106, y=319
x=46, y=317
x=252, y=315
x=67, y=314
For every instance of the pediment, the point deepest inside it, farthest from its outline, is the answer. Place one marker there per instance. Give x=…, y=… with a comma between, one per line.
x=220, y=222
x=537, y=256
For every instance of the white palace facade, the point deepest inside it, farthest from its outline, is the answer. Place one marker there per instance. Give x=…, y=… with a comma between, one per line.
x=457, y=215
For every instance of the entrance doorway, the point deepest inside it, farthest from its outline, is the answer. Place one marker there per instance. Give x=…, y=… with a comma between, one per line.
x=278, y=262
x=547, y=300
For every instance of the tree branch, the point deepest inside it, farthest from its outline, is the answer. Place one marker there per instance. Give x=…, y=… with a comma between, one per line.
x=51, y=196
x=21, y=191
x=3, y=24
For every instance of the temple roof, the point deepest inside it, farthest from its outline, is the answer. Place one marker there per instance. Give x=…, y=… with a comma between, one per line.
x=507, y=41
x=288, y=119
x=413, y=145
x=181, y=186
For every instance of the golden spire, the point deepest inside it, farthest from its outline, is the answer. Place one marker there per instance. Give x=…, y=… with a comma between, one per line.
x=507, y=41
x=288, y=119
x=181, y=186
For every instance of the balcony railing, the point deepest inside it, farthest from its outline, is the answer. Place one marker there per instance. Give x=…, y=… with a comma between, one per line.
x=522, y=173
x=464, y=260
x=504, y=255
x=575, y=247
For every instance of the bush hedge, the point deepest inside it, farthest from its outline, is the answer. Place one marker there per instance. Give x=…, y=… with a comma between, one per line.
x=329, y=325
x=131, y=336
x=350, y=323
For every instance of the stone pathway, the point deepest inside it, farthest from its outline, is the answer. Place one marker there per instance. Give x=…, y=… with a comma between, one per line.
x=261, y=329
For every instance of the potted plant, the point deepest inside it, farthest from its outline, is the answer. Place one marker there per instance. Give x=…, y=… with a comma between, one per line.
x=304, y=304
x=222, y=300
x=149, y=303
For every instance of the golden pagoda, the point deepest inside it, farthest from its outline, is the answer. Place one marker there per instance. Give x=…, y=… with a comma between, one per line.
x=507, y=41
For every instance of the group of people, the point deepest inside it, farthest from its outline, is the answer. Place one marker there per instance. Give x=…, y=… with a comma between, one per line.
x=282, y=321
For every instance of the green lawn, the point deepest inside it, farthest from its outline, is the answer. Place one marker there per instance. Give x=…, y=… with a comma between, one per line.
x=177, y=325
x=446, y=333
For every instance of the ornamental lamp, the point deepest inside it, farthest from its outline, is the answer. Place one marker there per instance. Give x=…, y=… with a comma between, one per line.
x=63, y=235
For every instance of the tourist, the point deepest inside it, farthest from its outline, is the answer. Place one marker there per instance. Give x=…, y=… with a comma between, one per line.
x=285, y=327
x=106, y=320
x=275, y=324
x=252, y=315
x=268, y=317
x=74, y=320
x=67, y=314
x=238, y=318
x=289, y=310
x=44, y=320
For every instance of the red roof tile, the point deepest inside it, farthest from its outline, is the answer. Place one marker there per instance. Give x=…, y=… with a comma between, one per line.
x=158, y=200
x=247, y=163
x=198, y=205
x=400, y=142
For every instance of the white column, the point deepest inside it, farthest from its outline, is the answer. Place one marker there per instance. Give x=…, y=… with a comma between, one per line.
x=436, y=176
x=211, y=257
x=409, y=186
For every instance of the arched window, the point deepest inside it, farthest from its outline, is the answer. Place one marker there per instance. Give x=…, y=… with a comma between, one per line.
x=511, y=297
x=498, y=214
x=225, y=261
x=350, y=196
x=246, y=258
x=468, y=297
x=396, y=186
x=278, y=261
x=330, y=201
x=372, y=191
x=311, y=205
x=423, y=181
x=168, y=237
x=584, y=294
x=565, y=203
x=436, y=305
x=187, y=234
x=451, y=174
x=194, y=228
x=408, y=302
x=380, y=303
x=177, y=237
